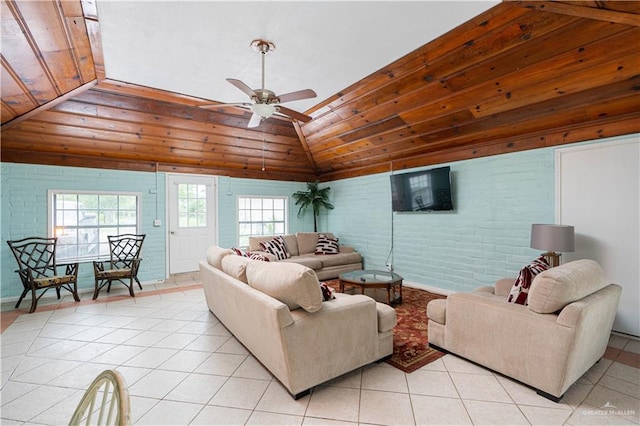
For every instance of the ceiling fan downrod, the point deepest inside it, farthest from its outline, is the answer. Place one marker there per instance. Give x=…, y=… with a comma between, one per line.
x=263, y=47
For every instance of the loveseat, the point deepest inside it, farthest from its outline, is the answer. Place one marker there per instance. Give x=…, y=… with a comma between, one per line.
x=277, y=311
x=547, y=344
x=302, y=248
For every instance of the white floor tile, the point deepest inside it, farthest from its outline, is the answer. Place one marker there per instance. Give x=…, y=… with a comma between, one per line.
x=384, y=378
x=213, y=415
x=32, y=404
x=47, y=372
x=240, y=393
x=275, y=419
x=118, y=336
x=186, y=361
x=494, y=413
x=119, y=355
x=545, y=416
x=196, y=388
x=147, y=338
x=221, y=364
x=334, y=403
x=157, y=384
x=434, y=410
x=150, y=357
x=385, y=408
x=207, y=343
x=435, y=383
x=479, y=387
x=455, y=364
x=170, y=413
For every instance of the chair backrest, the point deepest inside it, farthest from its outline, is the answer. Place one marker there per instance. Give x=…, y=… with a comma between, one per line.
x=106, y=402
x=125, y=248
x=35, y=253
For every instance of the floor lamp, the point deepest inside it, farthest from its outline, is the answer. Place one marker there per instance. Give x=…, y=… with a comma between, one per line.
x=555, y=239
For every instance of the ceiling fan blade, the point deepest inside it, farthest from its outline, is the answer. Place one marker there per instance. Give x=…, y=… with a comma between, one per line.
x=254, y=121
x=216, y=106
x=240, y=85
x=293, y=114
x=296, y=96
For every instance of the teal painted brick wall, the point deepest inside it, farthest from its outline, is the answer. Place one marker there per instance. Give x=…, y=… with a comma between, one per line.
x=24, y=213
x=496, y=200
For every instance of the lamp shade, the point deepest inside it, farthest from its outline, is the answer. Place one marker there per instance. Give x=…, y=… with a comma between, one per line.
x=560, y=238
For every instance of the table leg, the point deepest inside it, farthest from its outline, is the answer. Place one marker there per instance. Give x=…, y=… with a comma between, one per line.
x=341, y=286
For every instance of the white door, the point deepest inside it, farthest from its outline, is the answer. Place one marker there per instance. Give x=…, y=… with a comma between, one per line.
x=192, y=220
x=599, y=194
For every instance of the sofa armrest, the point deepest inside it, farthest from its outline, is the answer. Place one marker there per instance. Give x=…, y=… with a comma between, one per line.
x=503, y=286
x=341, y=336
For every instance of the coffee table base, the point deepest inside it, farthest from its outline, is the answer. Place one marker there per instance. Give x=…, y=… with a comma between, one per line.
x=389, y=286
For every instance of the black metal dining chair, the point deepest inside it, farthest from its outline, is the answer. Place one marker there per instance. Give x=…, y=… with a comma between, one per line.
x=123, y=264
x=38, y=270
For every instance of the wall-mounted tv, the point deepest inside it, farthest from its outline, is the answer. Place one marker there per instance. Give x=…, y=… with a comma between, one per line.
x=423, y=191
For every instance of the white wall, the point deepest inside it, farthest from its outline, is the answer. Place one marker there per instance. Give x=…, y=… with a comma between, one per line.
x=598, y=192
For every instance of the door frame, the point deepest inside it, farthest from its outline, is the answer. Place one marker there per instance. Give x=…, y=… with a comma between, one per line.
x=167, y=177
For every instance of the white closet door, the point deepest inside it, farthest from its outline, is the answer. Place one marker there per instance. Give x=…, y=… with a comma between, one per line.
x=598, y=192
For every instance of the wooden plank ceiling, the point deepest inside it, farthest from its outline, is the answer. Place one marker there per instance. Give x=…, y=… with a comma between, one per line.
x=521, y=76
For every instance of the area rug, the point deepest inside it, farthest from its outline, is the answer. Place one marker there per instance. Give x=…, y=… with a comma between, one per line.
x=410, y=341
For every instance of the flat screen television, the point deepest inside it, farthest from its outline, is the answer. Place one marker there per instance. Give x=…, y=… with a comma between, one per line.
x=423, y=191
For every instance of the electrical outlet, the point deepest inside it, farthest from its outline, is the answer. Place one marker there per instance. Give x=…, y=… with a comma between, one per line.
x=157, y=222
x=389, y=267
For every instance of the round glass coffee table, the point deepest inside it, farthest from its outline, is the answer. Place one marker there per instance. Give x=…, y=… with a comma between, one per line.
x=374, y=279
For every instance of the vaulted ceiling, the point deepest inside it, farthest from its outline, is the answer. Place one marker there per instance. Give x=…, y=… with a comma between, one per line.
x=521, y=75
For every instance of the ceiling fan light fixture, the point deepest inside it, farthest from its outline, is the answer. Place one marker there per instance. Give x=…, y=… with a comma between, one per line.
x=263, y=110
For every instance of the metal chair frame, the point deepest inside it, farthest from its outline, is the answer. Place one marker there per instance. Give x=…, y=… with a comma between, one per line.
x=124, y=262
x=36, y=257
x=108, y=398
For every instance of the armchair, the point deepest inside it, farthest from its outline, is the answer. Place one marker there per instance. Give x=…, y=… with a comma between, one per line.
x=123, y=264
x=38, y=270
x=549, y=343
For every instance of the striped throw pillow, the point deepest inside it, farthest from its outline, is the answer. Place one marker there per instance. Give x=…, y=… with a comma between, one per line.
x=327, y=245
x=277, y=247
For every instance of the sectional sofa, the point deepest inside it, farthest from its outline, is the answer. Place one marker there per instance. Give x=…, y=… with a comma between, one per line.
x=278, y=312
x=302, y=247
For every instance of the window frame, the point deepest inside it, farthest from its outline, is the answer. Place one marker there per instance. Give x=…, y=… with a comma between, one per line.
x=285, y=209
x=51, y=212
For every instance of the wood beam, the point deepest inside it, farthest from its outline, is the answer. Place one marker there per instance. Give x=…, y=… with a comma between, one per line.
x=584, y=12
x=49, y=104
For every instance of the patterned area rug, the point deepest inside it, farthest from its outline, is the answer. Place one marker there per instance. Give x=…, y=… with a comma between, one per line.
x=410, y=341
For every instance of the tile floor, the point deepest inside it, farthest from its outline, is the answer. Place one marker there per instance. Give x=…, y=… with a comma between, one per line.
x=183, y=367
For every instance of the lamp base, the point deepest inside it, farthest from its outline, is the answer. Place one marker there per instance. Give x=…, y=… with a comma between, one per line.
x=552, y=258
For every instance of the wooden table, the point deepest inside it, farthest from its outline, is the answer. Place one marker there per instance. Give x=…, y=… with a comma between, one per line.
x=374, y=279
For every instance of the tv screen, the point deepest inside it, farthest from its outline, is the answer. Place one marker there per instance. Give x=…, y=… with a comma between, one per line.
x=423, y=191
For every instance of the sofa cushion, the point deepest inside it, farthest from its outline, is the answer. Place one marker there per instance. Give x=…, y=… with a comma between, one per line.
x=236, y=266
x=327, y=245
x=555, y=288
x=307, y=242
x=339, y=259
x=277, y=247
x=520, y=289
x=308, y=260
x=215, y=255
x=292, y=284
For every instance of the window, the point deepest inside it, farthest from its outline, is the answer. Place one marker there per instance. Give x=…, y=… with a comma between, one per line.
x=192, y=205
x=82, y=221
x=261, y=216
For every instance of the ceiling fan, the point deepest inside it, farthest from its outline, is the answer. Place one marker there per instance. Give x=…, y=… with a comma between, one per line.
x=265, y=103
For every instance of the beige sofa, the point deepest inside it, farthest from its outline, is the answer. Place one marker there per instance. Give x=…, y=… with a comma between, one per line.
x=302, y=247
x=276, y=310
x=548, y=344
